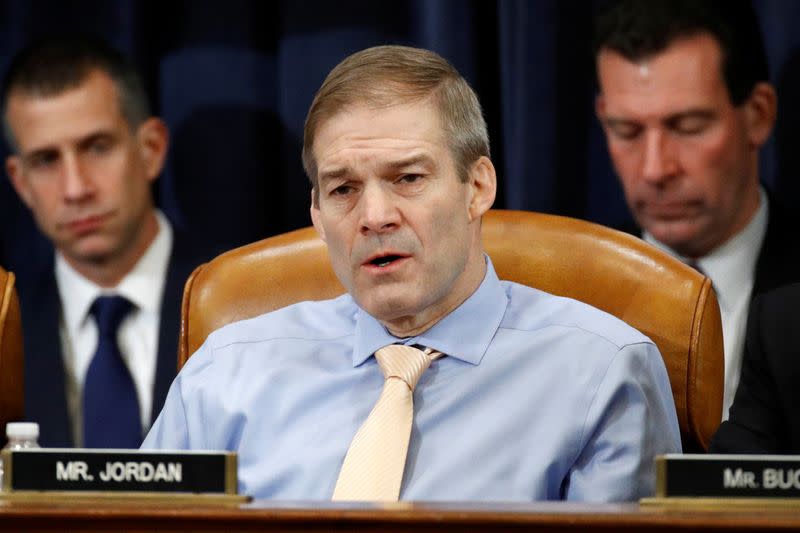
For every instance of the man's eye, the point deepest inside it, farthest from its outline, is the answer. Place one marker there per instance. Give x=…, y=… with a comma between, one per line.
x=624, y=130
x=409, y=178
x=691, y=125
x=341, y=190
x=100, y=146
x=42, y=161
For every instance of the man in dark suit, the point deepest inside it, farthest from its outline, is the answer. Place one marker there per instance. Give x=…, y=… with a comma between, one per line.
x=764, y=417
x=101, y=313
x=686, y=105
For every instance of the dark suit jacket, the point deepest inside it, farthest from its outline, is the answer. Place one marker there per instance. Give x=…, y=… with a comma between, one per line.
x=45, y=391
x=764, y=416
x=777, y=263
x=776, y=266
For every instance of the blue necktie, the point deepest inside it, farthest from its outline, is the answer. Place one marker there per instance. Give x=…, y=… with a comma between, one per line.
x=110, y=405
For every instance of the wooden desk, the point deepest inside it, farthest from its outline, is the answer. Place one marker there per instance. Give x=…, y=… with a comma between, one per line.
x=276, y=516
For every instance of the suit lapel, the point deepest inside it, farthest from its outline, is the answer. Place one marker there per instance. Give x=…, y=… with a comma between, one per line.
x=776, y=263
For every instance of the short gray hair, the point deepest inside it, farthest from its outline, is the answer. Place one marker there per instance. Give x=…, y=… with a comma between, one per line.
x=389, y=75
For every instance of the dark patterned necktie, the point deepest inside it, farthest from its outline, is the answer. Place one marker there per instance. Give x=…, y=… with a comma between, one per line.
x=111, y=416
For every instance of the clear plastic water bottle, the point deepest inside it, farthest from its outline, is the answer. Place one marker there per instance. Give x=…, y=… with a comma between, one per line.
x=20, y=435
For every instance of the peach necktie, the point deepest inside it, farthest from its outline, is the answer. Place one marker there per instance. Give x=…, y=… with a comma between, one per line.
x=374, y=464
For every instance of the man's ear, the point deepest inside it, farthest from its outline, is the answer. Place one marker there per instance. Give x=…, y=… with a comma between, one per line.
x=314, y=210
x=153, y=137
x=483, y=187
x=599, y=107
x=18, y=180
x=760, y=111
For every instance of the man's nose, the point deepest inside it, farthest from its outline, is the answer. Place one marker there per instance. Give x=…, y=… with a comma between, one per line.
x=378, y=210
x=659, y=158
x=78, y=184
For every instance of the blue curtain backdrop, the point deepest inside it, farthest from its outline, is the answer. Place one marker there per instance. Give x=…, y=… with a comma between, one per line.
x=234, y=79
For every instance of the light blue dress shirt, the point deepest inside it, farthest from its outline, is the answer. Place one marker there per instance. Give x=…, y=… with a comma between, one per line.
x=538, y=398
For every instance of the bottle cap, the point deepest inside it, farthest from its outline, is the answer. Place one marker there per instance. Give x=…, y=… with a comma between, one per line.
x=22, y=430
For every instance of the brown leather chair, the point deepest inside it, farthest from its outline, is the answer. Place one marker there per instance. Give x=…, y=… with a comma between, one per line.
x=668, y=301
x=11, y=354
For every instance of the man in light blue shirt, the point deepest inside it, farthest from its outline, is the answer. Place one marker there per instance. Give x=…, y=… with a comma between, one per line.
x=536, y=397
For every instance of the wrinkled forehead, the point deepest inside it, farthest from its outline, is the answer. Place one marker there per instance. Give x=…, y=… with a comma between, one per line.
x=366, y=124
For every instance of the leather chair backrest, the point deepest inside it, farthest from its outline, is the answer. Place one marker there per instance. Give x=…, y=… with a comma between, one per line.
x=11, y=353
x=668, y=301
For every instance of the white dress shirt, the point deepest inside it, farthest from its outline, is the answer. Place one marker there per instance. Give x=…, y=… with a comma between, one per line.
x=731, y=268
x=138, y=333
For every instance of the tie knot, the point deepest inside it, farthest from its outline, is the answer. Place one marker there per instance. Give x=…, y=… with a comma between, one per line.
x=404, y=362
x=108, y=312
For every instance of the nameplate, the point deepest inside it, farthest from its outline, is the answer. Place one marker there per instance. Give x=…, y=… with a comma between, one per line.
x=726, y=476
x=76, y=469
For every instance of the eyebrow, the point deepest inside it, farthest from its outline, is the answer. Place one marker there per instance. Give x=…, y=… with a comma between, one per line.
x=669, y=119
x=82, y=142
x=333, y=174
x=616, y=120
x=417, y=159
x=689, y=113
x=94, y=137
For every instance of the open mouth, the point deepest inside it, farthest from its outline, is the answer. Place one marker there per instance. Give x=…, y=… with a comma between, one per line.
x=384, y=260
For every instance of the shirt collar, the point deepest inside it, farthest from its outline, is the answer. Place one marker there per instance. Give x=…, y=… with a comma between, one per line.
x=465, y=333
x=731, y=264
x=143, y=285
